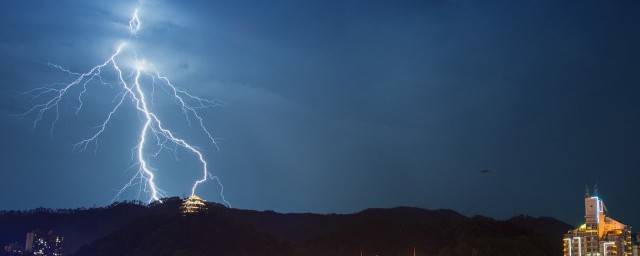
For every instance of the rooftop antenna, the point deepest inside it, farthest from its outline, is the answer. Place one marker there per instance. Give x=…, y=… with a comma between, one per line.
x=587, y=194
x=595, y=189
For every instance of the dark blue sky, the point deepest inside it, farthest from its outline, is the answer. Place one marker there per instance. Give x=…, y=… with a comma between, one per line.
x=337, y=106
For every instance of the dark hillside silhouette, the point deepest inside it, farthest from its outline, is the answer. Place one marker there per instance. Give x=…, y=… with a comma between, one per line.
x=135, y=229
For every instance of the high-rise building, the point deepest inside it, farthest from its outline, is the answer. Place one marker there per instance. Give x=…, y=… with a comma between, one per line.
x=193, y=204
x=600, y=235
x=43, y=243
x=635, y=245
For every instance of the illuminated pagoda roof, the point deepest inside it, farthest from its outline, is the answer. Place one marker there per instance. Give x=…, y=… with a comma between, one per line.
x=193, y=204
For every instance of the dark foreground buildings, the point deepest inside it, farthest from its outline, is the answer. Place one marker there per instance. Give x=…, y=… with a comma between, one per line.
x=43, y=243
x=38, y=243
x=13, y=249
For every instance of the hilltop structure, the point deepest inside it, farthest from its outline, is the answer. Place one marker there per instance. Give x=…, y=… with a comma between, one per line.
x=193, y=204
x=600, y=235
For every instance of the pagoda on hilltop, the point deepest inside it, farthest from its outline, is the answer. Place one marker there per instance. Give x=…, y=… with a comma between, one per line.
x=193, y=204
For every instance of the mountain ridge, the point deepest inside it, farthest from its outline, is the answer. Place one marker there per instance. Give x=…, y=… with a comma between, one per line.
x=130, y=228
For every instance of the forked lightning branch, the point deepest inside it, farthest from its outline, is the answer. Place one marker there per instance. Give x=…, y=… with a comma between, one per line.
x=154, y=136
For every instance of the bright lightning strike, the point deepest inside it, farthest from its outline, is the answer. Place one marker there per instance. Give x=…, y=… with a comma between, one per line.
x=133, y=91
x=134, y=23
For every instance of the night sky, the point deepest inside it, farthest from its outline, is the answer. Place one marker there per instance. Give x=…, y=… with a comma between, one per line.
x=338, y=106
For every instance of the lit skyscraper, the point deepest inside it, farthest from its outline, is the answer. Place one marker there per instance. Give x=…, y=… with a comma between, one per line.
x=600, y=235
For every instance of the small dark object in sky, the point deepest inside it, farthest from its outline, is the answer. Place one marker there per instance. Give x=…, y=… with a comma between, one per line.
x=484, y=171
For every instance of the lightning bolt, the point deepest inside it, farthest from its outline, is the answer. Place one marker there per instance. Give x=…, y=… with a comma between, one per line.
x=133, y=91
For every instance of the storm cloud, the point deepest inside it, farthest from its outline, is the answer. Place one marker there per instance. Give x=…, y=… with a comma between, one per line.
x=336, y=106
